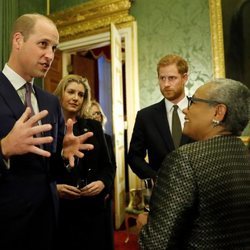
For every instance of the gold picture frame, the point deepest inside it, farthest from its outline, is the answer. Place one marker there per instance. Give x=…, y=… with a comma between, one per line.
x=217, y=40
x=217, y=44
x=91, y=18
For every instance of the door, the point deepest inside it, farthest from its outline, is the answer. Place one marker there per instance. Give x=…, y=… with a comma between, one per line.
x=118, y=124
x=54, y=75
x=85, y=67
x=129, y=36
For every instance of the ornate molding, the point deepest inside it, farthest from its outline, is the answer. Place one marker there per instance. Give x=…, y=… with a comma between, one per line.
x=91, y=18
x=217, y=38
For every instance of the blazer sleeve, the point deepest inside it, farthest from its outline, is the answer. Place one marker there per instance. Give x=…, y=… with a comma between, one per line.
x=110, y=146
x=138, y=151
x=171, y=206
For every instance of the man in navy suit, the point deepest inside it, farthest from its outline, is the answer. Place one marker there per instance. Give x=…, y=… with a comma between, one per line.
x=28, y=198
x=152, y=134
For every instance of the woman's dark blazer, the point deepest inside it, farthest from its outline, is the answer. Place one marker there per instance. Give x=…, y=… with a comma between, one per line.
x=201, y=198
x=95, y=165
x=82, y=222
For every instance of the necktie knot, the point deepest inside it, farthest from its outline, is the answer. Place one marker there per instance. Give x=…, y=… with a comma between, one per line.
x=175, y=107
x=28, y=87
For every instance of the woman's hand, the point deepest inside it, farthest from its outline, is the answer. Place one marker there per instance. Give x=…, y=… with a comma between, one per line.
x=92, y=189
x=68, y=192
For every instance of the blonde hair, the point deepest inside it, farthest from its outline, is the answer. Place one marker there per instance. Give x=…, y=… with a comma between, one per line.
x=65, y=81
x=103, y=116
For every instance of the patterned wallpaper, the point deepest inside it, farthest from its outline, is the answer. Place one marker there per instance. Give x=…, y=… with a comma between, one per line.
x=164, y=26
x=58, y=5
x=172, y=26
x=25, y=6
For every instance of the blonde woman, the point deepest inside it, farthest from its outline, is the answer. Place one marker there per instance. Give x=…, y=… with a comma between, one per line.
x=82, y=190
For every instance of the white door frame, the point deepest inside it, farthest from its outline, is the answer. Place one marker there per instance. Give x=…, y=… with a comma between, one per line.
x=129, y=37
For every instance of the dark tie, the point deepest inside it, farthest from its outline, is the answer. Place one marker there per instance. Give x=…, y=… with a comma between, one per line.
x=28, y=103
x=176, y=127
x=28, y=91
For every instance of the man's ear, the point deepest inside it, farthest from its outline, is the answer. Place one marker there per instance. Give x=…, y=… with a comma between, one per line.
x=17, y=40
x=185, y=76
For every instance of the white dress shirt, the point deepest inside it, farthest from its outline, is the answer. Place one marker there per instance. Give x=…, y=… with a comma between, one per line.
x=18, y=83
x=169, y=109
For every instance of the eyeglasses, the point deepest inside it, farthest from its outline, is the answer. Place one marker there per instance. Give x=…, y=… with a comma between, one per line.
x=192, y=100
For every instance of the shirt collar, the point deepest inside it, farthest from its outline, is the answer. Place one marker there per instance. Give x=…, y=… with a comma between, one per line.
x=182, y=104
x=16, y=80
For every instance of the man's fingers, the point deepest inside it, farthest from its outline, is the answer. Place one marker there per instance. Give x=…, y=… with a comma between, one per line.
x=38, y=129
x=37, y=117
x=86, y=147
x=69, y=126
x=42, y=140
x=25, y=116
x=37, y=150
x=85, y=136
x=72, y=161
x=79, y=154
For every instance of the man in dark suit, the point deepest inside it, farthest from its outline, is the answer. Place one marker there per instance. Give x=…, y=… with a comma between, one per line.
x=28, y=198
x=153, y=129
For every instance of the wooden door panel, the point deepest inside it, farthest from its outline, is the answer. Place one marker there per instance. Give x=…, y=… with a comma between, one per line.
x=54, y=75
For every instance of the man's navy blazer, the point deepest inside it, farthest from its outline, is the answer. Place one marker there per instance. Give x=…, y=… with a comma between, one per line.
x=152, y=137
x=29, y=166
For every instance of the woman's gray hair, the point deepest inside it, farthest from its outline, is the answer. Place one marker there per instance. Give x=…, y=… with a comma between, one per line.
x=236, y=96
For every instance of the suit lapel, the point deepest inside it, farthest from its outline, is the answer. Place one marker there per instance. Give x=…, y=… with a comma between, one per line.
x=162, y=124
x=11, y=97
x=42, y=102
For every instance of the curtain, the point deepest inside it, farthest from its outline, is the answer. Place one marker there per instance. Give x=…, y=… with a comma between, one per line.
x=102, y=52
x=105, y=91
x=8, y=14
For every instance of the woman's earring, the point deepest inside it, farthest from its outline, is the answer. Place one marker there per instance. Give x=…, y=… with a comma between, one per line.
x=215, y=123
